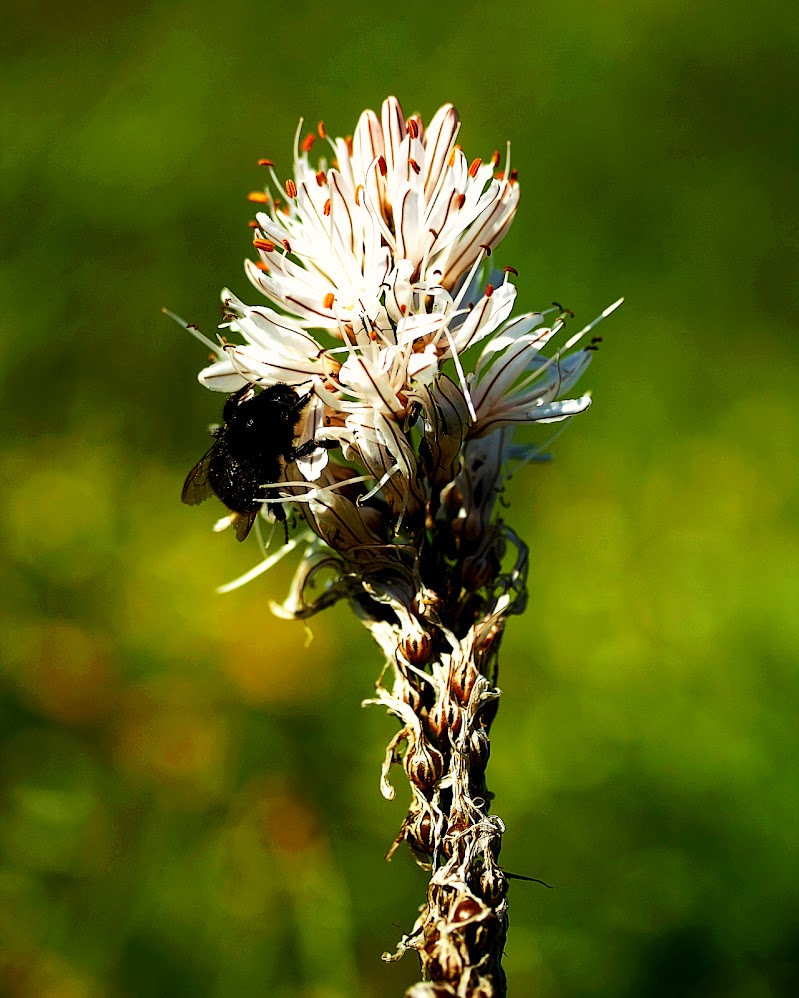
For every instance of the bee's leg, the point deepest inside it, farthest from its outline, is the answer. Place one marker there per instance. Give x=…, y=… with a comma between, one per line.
x=311, y=445
x=302, y=401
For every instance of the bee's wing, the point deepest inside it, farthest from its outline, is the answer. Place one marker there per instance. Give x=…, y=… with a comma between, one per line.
x=197, y=488
x=243, y=522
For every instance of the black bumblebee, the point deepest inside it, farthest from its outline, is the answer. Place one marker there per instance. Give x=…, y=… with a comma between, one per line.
x=249, y=451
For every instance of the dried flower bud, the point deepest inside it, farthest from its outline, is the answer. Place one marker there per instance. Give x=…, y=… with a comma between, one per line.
x=425, y=766
x=417, y=647
x=479, y=749
x=462, y=680
x=444, y=720
x=466, y=909
x=493, y=885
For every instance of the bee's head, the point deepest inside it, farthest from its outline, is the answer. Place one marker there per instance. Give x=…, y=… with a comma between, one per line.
x=235, y=400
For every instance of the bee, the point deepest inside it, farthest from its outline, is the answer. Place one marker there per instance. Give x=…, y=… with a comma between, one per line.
x=250, y=450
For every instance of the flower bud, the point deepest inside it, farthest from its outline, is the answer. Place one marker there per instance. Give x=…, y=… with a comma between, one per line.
x=444, y=720
x=417, y=647
x=424, y=766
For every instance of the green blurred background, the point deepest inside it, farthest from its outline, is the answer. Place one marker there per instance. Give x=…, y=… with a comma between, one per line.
x=188, y=787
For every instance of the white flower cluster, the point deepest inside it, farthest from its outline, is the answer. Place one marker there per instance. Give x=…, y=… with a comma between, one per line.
x=379, y=254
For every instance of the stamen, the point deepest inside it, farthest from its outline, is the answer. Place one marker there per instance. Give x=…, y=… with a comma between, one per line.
x=307, y=142
x=264, y=244
x=321, y=131
x=190, y=327
x=414, y=166
x=476, y=164
x=603, y=315
x=511, y=270
x=382, y=166
x=321, y=178
x=291, y=188
x=265, y=565
x=265, y=162
x=413, y=128
x=461, y=376
x=365, y=498
x=258, y=197
x=329, y=299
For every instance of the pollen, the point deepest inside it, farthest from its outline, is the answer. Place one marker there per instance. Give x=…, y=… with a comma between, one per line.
x=258, y=197
x=291, y=188
x=307, y=142
x=264, y=244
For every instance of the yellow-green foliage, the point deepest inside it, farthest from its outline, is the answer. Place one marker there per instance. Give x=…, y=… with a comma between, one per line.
x=188, y=789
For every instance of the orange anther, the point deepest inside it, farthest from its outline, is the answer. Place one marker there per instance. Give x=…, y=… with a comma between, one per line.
x=329, y=299
x=475, y=167
x=259, y=197
x=511, y=270
x=264, y=244
x=327, y=207
x=291, y=188
x=489, y=290
x=307, y=143
x=320, y=130
x=265, y=162
x=414, y=166
x=413, y=128
x=382, y=166
x=321, y=178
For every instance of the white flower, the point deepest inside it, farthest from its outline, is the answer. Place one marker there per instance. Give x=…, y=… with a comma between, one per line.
x=372, y=265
